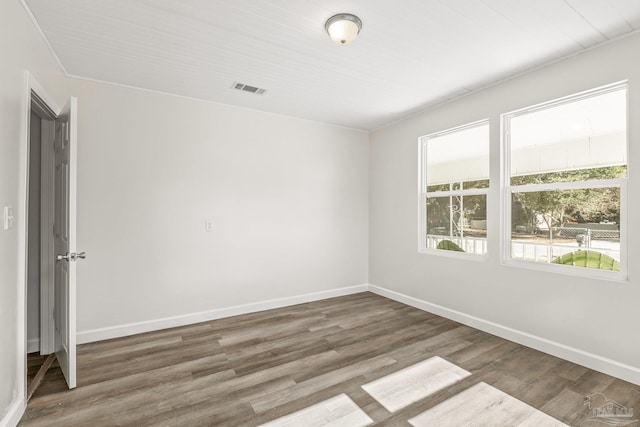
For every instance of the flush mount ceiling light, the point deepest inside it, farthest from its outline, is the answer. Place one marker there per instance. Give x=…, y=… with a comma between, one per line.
x=343, y=28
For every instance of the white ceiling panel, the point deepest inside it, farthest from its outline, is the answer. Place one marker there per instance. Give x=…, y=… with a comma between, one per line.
x=411, y=54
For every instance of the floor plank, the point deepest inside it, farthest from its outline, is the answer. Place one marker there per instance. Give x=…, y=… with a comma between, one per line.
x=406, y=386
x=484, y=405
x=256, y=368
x=37, y=379
x=337, y=411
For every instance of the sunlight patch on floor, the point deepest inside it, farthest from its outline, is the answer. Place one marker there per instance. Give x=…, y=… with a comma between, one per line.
x=335, y=412
x=483, y=405
x=402, y=388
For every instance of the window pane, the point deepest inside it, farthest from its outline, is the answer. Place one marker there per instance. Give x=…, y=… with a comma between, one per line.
x=589, y=133
x=554, y=226
x=439, y=187
x=480, y=183
x=612, y=172
x=457, y=223
x=458, y=157
x=466, y=185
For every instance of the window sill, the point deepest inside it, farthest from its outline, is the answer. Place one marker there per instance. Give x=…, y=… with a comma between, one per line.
x=454, y=254
x=567, y=270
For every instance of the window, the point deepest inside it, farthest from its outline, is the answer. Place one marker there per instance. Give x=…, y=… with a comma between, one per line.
x=453, y=190
x=565, y=183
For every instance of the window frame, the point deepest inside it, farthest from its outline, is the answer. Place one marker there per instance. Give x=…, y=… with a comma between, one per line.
x=507, y=190
x=423, y=194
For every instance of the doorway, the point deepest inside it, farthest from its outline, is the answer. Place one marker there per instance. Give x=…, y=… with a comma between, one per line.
x=39, y=279
x=53, y=137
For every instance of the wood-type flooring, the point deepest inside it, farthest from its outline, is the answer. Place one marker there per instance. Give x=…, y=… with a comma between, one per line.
x=251, y=369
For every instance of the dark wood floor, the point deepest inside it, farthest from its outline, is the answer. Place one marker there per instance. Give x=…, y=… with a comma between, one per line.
x=250, y=369
x=34, y=362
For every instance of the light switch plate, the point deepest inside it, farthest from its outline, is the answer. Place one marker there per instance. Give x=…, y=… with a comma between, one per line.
x=208, y=225
x=7, y=222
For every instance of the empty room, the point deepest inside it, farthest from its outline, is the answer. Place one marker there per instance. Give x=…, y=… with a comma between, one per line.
x=295, y=213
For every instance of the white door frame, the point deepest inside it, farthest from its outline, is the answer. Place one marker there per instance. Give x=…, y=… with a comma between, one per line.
x=47, y=263
x=30, y=84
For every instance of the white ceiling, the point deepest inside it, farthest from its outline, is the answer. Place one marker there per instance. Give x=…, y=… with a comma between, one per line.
x=411, y=54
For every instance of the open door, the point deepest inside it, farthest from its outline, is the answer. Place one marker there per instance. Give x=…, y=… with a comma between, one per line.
x=64, y=235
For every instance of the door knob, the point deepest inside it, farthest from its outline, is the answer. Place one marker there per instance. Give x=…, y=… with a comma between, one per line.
x=72, y=256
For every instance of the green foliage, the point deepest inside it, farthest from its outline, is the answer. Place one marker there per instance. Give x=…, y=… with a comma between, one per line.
x=610, y=172
x=464, y=185
x=589, y=259
x=439, y=187
x=442, y=211
x=556, y=207
x=448, y=245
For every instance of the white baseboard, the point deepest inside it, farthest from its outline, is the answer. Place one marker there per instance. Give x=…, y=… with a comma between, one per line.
x=92, y=335
x=33, y=345
x=12, y=417
x=584, y=358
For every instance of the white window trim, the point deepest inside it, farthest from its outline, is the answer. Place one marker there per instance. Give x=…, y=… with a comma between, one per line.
x=423, y=194
x=506, y=190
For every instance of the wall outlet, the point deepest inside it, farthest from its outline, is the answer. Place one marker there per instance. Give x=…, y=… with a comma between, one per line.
x=208, y=225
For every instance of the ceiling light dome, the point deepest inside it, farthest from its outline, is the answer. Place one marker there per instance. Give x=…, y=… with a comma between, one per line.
x=343, y=28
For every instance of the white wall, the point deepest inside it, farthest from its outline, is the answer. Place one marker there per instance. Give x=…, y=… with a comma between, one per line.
x=595, y=316
x=288, y=199
x=21, y=48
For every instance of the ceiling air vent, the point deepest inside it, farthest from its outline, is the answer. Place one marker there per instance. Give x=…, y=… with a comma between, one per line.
x=247, y=88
